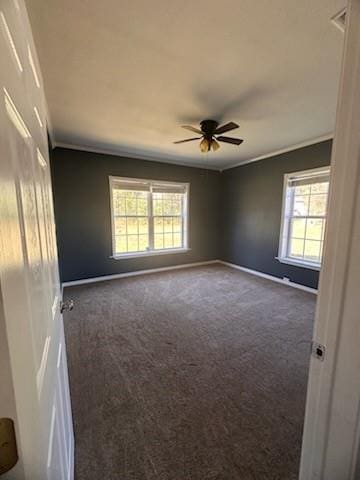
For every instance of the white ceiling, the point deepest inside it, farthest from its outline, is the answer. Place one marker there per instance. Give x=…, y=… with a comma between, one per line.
x=124, y=75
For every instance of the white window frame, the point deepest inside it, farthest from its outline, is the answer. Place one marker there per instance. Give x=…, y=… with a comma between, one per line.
x=151, y=251
x=287, y=204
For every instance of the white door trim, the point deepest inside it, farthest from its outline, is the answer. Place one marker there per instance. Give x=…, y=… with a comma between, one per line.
x=332, y=423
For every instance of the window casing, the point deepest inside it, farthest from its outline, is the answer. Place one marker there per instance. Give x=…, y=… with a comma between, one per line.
x=149, y=217
x=304, y=217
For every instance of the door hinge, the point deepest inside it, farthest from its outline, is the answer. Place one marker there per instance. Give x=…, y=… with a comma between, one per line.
x=318, y=350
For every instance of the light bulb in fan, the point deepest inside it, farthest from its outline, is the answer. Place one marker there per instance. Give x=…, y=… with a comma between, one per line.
x=214, y=145
x=204, y=145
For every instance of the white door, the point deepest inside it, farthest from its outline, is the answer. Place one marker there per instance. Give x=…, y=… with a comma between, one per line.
x=29, y=276
x=331, y=441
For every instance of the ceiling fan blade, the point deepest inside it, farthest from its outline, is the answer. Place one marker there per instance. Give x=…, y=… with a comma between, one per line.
x=192, y=129
x=234, y=141
x=188, y=140
x=226, y=128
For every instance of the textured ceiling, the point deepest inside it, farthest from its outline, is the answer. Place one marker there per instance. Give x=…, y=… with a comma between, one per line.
x=124, y=75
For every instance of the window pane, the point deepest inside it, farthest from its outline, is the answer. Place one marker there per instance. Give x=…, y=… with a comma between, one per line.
x=301, y=205
x=298, y=227
x=131, y=221
x=317, y=204
x=167, y=203
x=157, y=204
x=296, y=247
x=167, y=225
x=133, y=244
x=168, y=240
x=322, y=187
x=314, y=228
x=132, y=226
x=142, y=206
x=118, y=204
x=312, y=250
x=120, y=226
x=177, y=205
x=159, y=241
x=177, y=224
x=143, y=242
x=130, y=203
x=177, y=240
x=304, y=216
x=120, y=244
x=158, y=225
x=143, y=225
x=302, y=190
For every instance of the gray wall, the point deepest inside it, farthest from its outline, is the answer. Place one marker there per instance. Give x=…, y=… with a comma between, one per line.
x=82, y=210
x=251, y=211
x=235, y=215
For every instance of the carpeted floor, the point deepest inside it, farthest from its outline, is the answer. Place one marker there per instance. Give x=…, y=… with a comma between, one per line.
x=194, y=374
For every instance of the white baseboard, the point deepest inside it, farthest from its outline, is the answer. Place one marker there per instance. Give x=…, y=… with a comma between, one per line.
x=187, y=265
x=270, y=277
x=134, y=274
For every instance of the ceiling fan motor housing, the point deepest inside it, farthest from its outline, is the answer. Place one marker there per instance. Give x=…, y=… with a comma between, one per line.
x=211, y=134
x=208, y=127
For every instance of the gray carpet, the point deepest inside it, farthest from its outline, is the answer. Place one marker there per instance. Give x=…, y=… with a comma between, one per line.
x=193, y=374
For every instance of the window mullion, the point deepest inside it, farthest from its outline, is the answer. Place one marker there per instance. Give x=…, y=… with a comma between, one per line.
x=151, y=219
x=183, y=226
x=290, y=221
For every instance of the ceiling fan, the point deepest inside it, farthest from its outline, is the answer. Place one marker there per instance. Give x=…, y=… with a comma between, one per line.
x=211, y=135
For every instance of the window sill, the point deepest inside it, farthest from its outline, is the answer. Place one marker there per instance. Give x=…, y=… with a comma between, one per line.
x=297, y=263
x=150, y=254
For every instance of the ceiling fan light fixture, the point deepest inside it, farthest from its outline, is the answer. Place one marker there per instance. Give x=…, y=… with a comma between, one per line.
x=214, y=145
x=204, y=145
x=211, y=134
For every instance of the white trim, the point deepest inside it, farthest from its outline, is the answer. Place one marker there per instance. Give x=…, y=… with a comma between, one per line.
x=330, y=448
x=113, y=180
x=299, y=263
x=286, y=215
x=119, y=152
x=152, y=157
x=290, y=148
x=136, y=273
x=187, y=265
x=269, y=277
x=150, y=253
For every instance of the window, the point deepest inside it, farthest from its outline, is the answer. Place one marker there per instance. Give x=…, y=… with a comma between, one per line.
x=304, y=217
x=148, y=217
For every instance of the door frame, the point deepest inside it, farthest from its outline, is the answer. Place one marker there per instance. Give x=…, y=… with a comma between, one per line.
x=330, y=447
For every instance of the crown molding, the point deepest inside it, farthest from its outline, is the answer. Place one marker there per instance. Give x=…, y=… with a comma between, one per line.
x=152, y=157
x=131, y=154
x=290, y=148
